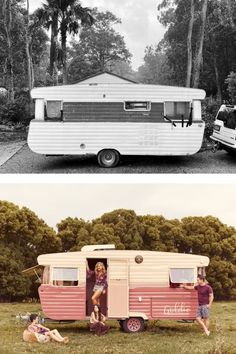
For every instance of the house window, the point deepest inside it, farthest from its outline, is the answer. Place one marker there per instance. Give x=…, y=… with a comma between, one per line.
x=182, y=275
x=137, y=106
x=65, y=276
x=177, y=110
x=54, y=109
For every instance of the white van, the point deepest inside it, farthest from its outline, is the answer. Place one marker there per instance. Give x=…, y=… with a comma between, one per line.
x=224, y=129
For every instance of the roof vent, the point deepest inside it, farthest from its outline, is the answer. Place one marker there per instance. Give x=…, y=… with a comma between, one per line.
x=90, y=248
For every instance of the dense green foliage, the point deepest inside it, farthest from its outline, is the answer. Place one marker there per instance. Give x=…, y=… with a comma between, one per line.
x=23, y=236
x=200, y=235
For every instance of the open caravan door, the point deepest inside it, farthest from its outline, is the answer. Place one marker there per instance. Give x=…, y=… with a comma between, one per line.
x=118, y=288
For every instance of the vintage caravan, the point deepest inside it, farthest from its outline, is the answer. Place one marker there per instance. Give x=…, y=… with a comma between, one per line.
x=142, y=285
x=109, y=116
x=224, y=129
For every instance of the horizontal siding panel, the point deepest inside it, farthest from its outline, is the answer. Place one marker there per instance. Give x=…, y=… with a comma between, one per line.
x=159, y=303
x=63, y=303
x=128, y=139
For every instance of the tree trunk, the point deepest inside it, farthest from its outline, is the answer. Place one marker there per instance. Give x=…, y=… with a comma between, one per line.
x=219, y=93
x=198, y=56
x=189, y=45
x=7, y=11
x=64, y=56
x=53, y=50
x=28, y=55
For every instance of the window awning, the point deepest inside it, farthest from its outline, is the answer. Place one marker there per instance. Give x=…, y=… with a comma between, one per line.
x=36, y=270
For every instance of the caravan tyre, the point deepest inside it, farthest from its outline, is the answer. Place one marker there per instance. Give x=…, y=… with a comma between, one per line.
x=108, y=158
x=133, y=325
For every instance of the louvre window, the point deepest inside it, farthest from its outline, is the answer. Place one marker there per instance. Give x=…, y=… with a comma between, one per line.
x=137, y=106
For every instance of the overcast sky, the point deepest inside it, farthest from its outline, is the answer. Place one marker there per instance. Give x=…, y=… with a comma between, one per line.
x=139, y=22
x=54, y=202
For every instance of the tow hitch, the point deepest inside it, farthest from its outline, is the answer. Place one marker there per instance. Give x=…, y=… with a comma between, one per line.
x=215, y=146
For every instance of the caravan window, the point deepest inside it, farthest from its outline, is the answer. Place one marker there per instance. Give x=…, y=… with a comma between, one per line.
x=177, y=110
x=54, y=109
x=182, y=275
x=137, y=106
x=45, y=279
x=65, y=276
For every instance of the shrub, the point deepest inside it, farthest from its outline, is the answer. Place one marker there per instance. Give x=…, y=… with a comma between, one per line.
x=210, y=108
x=16, y=112
x=231, y=87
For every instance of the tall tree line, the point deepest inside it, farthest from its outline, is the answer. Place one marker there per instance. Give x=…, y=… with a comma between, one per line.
x=23, y=236
x=198, y=48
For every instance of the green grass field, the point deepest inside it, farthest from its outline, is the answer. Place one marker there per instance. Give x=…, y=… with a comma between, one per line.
x=160, y=336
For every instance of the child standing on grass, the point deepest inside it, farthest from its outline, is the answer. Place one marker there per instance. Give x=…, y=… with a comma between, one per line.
x=44, y=334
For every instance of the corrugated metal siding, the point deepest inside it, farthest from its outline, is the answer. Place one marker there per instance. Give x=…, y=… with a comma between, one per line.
x=117, y=92
x=164, y=303
x=110, y=112
x=63, y=303
x=127, y=138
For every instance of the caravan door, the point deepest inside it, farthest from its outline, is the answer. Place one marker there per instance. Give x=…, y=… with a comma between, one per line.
x=118, y=288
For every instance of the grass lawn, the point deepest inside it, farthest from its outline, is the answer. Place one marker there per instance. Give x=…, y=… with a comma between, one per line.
x=160, y=337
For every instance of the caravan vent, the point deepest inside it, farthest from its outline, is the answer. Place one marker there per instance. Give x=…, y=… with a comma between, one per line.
x=90, y=248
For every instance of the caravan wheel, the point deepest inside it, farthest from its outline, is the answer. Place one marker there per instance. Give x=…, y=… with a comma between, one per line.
x=133, y=325
x=108, y=158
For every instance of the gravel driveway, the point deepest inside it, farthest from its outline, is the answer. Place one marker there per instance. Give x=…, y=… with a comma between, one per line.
x=25, y=161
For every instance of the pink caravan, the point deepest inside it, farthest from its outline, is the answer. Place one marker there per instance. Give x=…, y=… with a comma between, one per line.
x=141, y=285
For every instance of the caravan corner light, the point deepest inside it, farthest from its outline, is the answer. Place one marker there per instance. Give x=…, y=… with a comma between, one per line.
x=90, y=248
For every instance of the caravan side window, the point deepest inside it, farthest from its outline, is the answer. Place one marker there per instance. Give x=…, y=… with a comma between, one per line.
x=177, y=110
x=45, y=278
x=137, y=106
x=65, y=276
x=182, y=275
x=54, y=110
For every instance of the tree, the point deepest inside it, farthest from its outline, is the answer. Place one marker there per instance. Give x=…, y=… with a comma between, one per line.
x=7, y=9
x=23, y=236
x=30, y=68
x=189, y=44
x=63, y=17
x=231, y=83
x=98, y=48
x=199, y=50
x=212, y=46
x=156, y=69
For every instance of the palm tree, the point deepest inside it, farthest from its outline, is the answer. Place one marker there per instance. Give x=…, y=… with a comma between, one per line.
x=63, y=16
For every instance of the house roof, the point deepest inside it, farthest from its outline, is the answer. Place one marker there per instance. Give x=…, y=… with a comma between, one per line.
x=105, y=77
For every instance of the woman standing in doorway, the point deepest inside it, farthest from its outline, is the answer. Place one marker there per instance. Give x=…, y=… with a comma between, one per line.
x=100, y=285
